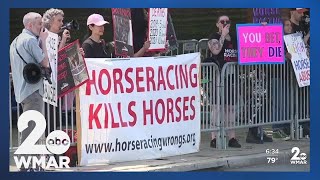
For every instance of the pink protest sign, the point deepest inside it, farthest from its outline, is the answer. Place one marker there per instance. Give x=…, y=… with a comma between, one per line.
x=259, y=44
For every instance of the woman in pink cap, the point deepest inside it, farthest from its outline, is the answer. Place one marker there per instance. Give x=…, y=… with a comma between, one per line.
x=94, y=46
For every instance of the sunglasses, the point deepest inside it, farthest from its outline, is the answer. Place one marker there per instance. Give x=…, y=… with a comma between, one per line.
x=225, y=22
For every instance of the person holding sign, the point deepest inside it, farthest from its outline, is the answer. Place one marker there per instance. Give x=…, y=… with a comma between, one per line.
x=298, y=23
x=141, y=44
x=221, y=48
x=25, y=49
x=53, y=21
x=94, y=46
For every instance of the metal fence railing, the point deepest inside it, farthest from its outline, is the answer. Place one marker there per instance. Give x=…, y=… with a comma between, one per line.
x=58, y=118
x=259, y=95
x=210, y=82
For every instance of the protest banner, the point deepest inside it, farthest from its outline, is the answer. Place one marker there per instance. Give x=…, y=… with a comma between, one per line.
x=157, y=33
x=260, y=44
x=72, y=71
x=50, y=94
x=122, y=32
x=141, y=108
x=299, y=59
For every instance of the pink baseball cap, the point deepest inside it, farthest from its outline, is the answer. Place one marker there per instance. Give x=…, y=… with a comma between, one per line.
x=299, y=10
x=96, y=19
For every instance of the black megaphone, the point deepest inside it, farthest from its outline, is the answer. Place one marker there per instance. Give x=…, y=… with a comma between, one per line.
x=72, y=25
x=32, y=73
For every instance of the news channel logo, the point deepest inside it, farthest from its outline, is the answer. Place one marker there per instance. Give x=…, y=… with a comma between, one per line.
x=298, y=158
x=32, y=155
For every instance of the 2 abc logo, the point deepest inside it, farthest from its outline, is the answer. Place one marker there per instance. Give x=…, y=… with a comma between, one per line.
x=57, y=142
x=298, y=158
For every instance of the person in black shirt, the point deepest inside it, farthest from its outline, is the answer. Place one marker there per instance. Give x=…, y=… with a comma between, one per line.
x=296, y=19
x=94, y=46
x=297, y=26
x=221, y=44
x=221, y=48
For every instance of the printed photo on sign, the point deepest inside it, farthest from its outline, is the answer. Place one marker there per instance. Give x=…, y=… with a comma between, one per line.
x=157, y=34
x=122, y=34
x=299, y=59
x=72, y=71
x=260, y=44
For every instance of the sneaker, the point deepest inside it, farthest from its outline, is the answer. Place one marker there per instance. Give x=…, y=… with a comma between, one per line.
x=267, y=138
x=213, y=143
x=234, y=143
x=306, y=131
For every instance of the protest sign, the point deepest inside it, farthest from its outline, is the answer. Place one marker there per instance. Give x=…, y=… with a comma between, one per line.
x=269, y=15
x=50, y=94
x=122, y=32
x=299, y=59
x=157, y=33
x=141, y=108
x=72, y=71
x=260, y=44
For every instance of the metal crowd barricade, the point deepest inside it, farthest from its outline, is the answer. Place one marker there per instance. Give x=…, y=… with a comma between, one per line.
x=184, y=47
x=259, y=95
x=65, y=116
x=210, y=80
x=203, y=48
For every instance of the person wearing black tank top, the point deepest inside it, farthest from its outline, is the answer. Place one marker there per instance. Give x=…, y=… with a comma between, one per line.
x=221, y=48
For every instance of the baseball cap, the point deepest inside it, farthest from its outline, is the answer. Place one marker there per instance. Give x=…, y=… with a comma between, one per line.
x=96, y=19
x=299, y=10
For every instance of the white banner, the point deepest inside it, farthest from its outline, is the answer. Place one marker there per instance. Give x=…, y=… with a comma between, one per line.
x=50, y=90
x=141, y=108
x=300, y=61
x=158, y=19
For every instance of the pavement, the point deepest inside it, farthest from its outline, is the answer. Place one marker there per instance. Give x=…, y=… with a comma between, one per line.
x=206, y=158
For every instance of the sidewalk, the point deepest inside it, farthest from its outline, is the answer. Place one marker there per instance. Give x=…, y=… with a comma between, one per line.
x=249, y=154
